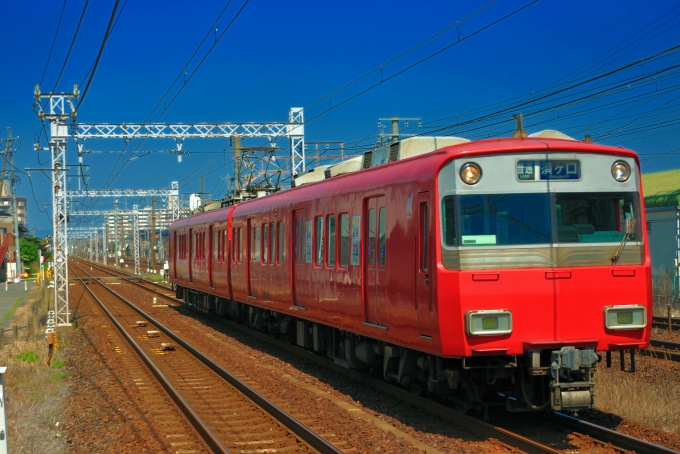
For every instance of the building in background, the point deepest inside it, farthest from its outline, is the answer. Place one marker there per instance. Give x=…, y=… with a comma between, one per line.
x=7, y=266
x=662, y=192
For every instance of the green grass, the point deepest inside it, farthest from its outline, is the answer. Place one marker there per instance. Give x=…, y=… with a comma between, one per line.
x=58, y=364
x=28, y=357
x=11, y=311
x=59, y=376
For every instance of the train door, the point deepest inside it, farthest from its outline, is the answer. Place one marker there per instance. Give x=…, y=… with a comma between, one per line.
x=299, y=253
x=210, y=255
x=173, y=247
x=424, y=262
x=250, y=253
x=190, y=253
x=375, y=259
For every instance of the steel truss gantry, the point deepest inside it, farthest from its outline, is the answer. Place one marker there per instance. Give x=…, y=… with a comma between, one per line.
x=60, y=108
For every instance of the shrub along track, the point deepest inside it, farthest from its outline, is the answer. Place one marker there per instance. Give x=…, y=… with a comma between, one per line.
x=221, y=409
x=562, y=434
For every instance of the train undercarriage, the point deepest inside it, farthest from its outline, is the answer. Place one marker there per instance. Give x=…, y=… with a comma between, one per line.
x=548, y=379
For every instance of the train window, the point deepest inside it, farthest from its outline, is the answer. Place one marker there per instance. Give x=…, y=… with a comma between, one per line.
x=595, y=217
x=256, y=242
x=370, y=241
x=381, y=235
x=504, y=219
x=330, y=243
x=240, y=245
x=449, y=221
x=318, y=237
x=344, y=240
x=308, y=241
x=297, y=242
x=424, y=235
x=265, y=243
x=235, y=245
x=279, y=259
x=272, y=243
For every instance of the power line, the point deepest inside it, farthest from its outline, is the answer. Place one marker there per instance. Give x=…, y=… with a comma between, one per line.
x=99, y=55
x=73, y=41
x=53, y=42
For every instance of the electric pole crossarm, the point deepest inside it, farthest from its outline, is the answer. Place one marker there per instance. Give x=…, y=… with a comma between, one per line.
x=182, y=131
x=122, y=193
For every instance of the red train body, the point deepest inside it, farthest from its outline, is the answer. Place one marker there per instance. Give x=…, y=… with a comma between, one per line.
x=469, y=289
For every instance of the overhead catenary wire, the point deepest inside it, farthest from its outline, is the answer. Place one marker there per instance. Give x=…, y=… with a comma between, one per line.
x=54, y=41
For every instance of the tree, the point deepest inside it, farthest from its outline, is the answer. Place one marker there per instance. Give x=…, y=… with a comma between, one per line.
x=29, y=249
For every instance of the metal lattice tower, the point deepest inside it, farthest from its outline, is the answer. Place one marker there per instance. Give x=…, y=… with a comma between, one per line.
x=60, y=108
x=91, y=247
x=135, y=223
x=105, y=246
x=96, y=247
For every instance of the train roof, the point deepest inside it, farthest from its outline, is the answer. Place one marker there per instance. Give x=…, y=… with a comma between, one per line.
x=374, y=175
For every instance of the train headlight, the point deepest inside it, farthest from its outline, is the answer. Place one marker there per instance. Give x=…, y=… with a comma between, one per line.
x=625, y=317
x=621, y=171
x=470, y=173
x=488, y=323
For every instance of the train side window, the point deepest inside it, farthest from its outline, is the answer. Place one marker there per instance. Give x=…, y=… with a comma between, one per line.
x=235, y=244
x=279, y=259
x=370, y=241
x=216, y=243
x=318, y=240
x=330, y=243
x=265, y=243
x=296, y=241
x=382, y=214
x=344, y=240
x=240, y=245
x=424, y=232
x=272, y=243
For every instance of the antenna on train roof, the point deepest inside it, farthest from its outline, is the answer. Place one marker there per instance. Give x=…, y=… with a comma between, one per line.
x=520, y=132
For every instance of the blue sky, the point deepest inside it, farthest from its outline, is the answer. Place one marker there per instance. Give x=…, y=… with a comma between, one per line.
x=278, y=55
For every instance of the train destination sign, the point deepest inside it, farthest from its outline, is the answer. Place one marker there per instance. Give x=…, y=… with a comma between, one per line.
x=551, y=169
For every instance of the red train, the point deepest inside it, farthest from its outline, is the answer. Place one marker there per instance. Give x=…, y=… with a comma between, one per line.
x=477, y=270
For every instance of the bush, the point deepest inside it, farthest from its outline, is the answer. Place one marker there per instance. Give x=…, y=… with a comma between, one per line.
x=28, y=357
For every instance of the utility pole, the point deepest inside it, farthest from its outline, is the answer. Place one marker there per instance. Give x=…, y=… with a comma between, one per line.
x=9, y=150
x=394, y=136
x=152, y=242
x=237, y=164
x=115, y=232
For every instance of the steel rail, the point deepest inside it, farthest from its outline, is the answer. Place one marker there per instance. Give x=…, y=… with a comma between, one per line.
x=662, y=349
x=295, y=426
x=199, y=425
x=610, y=436
x=477, y=426
x=662, y=322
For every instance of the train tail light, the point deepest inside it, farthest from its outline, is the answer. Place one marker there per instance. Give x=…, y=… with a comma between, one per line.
x=625, y=317
x=488, y=323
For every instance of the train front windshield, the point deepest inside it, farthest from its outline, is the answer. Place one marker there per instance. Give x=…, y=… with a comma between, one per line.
x=487, y=220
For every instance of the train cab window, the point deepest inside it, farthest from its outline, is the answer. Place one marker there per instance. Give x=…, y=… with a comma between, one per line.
x=344, y=240
x=265, y=243
x=595, y=217
x=318, y=240
x=382, y=231
x=504, y=219
x=330, y=243
x=279, y=258
x=272, y=243
x=449, y=221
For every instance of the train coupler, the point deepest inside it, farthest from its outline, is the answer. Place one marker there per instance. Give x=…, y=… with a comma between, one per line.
x=571, y=387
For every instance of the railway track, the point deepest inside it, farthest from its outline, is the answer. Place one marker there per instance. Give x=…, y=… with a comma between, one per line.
x=228, y=414
x=662, y=322
x=600, y=437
